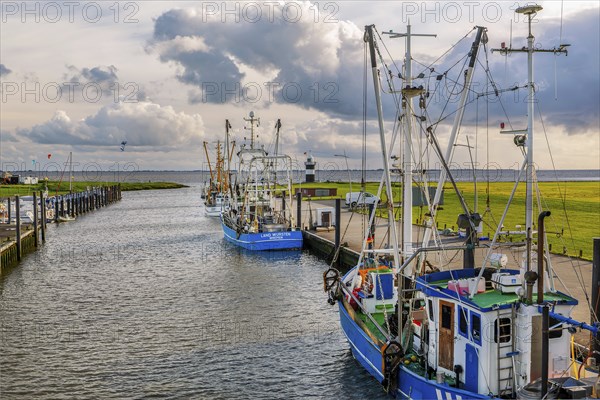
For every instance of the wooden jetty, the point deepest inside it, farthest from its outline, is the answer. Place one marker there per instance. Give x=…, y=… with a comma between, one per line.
x=19, y=238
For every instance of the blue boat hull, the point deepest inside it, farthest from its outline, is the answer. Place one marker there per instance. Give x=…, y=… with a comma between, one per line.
x=410, y=385
x=286, y=240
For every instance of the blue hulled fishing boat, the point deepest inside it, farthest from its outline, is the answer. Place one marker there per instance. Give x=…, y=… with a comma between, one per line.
x=259, y=217
x=427, y=328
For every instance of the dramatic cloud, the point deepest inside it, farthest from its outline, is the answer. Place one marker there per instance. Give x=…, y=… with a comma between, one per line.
x=144, y=125
x=4, y=70
x=100, y=81
x=299, y=61
x=573, y=79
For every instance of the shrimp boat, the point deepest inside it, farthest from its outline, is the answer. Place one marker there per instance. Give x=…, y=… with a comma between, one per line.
x=216, y=190
x=260, y=214
x=426, y=332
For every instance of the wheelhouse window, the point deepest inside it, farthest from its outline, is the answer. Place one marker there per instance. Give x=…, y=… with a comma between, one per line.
x=476, y=327
x=463, y=321
x=430, y=306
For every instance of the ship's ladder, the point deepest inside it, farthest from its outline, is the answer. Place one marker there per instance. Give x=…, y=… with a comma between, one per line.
x=504, y=331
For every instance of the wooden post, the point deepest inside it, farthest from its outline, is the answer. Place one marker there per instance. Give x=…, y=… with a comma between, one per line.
x=43, y=206
x=35, y=220
x=9, y=211
x=55, y=208
x=338, y=212
x=299, y=209
x=18, y=230
x=62, y=206
x=283, y=203
x=596, y=294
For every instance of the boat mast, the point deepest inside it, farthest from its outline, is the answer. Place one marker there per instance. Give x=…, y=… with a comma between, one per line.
x=220, y=163
x=277, y=127
x=388, y=181
x=228, y=155
x=480, y=36
x=530, y=11
x=252, y=121
x=407, y=115
x=209, y=168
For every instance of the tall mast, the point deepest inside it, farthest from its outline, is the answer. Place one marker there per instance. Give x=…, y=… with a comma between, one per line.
x=388, y=181
x=252, y=121
x=480, y=36
x=407, y=115
x=277, y=127
x=227, y=145
x=209, y=166
x=219, y=167
x=530, y=11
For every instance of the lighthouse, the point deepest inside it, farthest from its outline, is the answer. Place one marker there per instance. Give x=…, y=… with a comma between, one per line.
x=310, y=168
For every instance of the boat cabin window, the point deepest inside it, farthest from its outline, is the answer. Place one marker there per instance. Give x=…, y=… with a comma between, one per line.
x=502, y=328
x=430, y=304
x=446, y=316
x=556, y=332
x=476, y=327
x=463, y=321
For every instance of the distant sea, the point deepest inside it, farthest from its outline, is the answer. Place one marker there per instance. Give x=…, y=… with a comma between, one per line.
x=194, y=178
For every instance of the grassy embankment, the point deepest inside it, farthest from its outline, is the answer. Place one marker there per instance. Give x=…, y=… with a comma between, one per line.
x=570, y=228
x=53, y=187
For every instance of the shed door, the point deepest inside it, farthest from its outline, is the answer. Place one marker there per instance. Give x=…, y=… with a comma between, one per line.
x=326, y=218
x=446, y=343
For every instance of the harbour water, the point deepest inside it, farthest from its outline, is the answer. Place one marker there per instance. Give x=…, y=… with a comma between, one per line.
x=146, y=299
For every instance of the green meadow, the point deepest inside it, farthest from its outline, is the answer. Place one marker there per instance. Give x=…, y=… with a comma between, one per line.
x=56, y=187
x=575, y=208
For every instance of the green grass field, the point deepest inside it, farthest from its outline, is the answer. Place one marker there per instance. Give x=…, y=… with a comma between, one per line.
x=571, y=226
x=54, y=187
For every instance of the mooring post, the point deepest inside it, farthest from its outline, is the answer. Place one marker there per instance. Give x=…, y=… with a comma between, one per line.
x=18, y=228
x=62, y=206
x=299, y=210
x=43, y=207
x=9, y=211
x=338, y=212
x=596, y=294
x=55, y=208
x=35, y=220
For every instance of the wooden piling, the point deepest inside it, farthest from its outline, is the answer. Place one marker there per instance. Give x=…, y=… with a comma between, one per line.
x=35, y=220
x=299, y=209
x=18, y=216
x=596, y=295
x=43, y=224
x=338, y=217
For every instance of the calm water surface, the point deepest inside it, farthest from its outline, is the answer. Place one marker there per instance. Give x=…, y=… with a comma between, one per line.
x=146, y=299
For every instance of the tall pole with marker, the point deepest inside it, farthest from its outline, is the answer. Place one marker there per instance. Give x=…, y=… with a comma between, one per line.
x=530, y=11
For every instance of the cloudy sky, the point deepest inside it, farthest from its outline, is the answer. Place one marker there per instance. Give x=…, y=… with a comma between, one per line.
x=164, y=76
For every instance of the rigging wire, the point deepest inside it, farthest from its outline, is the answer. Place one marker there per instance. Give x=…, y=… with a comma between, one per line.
x=576, y=266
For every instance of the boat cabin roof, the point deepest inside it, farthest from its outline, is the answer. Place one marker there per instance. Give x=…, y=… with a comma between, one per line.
x=436, y=284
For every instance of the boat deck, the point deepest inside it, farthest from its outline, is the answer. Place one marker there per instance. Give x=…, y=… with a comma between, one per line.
x=494, y=297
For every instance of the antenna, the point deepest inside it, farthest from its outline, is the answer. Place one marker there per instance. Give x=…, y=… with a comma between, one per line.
x=252, y=121
x=530, y=11
x=408, y=94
